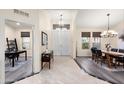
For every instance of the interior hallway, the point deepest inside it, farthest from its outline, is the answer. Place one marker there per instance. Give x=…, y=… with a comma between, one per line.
x=64, y=70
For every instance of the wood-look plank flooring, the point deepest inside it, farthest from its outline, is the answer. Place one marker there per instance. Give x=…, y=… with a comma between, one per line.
x=113, y=75
x=64, y=70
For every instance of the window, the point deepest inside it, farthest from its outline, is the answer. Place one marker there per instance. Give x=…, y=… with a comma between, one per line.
x=85, y=40
x=25, y=40
x=97, y=40
x=25, y=43
x=85, y=43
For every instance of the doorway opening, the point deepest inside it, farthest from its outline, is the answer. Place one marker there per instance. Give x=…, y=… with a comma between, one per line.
x=18, y=51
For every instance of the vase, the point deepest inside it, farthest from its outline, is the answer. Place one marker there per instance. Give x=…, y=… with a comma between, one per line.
x=108, y=49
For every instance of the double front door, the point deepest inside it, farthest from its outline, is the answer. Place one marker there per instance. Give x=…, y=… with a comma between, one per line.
x=61, y=42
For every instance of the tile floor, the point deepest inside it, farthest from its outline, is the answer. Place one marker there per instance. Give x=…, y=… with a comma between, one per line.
x=64, y=70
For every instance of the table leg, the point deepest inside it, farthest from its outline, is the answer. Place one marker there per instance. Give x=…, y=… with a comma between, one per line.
x=12, y=62
x=26, y=55
x=109, y=61
x=49, y=64
x=41, y=65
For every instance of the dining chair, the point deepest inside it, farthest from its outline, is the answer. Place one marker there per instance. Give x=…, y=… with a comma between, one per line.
x=121, y=50
x=120, y=61
x=93, y=50
x=100, y=57
x=11, y=46
x=114, y=49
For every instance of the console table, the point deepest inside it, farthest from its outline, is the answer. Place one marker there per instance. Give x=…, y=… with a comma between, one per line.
x=47, y=56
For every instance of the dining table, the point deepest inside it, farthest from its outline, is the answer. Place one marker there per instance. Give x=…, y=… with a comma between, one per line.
x=14, y=54
x=110, y=55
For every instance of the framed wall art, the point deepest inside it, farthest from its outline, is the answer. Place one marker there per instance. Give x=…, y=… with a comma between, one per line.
x=44, y=38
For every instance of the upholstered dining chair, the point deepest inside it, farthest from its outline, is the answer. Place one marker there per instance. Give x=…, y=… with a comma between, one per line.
x=93, y=50
x=120, y=60
x=100, y=57
x=114, y=49
x=121, y=50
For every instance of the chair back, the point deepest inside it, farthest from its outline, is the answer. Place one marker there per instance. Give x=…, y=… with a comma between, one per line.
x=93, y=50
x=99, y=52
x=121, y=50
x=114, y=49
x=12, y=45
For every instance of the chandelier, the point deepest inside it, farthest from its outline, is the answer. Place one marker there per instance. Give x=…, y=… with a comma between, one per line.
x=61, y=21
x=108, y=33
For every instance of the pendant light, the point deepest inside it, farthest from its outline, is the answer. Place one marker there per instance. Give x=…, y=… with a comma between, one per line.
x=108, y=33
x=61, y=22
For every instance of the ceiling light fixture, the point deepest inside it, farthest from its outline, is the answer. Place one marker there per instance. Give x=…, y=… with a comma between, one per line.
x=108, y=33
x=17, y=23
x=61, y=21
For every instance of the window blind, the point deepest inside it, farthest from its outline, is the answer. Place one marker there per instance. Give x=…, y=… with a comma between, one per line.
x=96, y=34
x=25, y=34
x=85, y=34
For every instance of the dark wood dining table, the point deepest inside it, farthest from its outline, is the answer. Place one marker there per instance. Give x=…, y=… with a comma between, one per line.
x=110, y=56
x=14, y=54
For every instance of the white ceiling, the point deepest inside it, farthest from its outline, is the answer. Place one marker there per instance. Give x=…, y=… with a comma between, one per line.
x=85, y=18
x=21, y=26
x=67, y=14
x=88, y=18
x=97, y=18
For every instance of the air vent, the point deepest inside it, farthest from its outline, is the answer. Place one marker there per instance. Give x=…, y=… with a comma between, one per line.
x=21, y=12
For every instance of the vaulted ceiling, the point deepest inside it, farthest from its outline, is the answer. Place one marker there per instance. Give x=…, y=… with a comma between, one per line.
x=97, y=18
x=88, y=18
x=84, y=18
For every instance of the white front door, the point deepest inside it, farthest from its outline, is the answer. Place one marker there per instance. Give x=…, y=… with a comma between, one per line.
x=61, y=42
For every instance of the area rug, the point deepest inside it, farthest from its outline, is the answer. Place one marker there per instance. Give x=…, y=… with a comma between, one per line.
x=21, y=70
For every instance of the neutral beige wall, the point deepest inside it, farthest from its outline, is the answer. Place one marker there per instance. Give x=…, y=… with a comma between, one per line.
x=2, y=47
x=73, y=35
x=9, y=32
x=45, y=26
x=120, y=29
